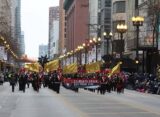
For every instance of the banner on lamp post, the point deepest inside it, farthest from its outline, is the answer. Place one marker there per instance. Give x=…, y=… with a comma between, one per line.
x=3, y=53
x=94, y=54
x=83, y=58
x=99, y=54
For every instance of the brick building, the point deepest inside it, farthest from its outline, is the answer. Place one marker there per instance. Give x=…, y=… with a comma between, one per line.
x=77, y=15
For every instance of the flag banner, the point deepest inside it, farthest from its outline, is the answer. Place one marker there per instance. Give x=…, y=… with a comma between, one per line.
x=83, y=58
x=90, y=56
x=69, y=69
x=94, y=54
x=51, y=66
x=93, y=67
x=3, y=53
x=80, y=82
x=35, y=67
x=99, y=56
x=115, y=69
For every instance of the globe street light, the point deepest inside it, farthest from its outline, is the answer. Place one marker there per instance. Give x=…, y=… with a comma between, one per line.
x=85, y=52
x=137, y=21
x=79, y=57
x=97, y=41
x=121, y=28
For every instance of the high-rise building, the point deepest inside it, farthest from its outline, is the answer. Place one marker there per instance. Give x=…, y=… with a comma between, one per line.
x=19, y=36
x=43, y=50
x=93, y=18
x=62, y=31
x=22, y=43
x=77, y=20
x=122, y=13
x=53, y=32
x=105, y=22
x=148, y=34
x=94, y=29
x=5, y=18
x=10, y=31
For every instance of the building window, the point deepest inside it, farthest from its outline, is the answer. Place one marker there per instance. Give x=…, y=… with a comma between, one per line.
x=99, y=18
x=53, y=44
x=119, y=7
x=99, y=3
x=107, y=17
x=107, y=3
x=107, y=28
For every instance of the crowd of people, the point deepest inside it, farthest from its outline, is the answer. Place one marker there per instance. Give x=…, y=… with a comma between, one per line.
x=37, y=80
x=105, y=84
x=143, y=82
x=147, y=83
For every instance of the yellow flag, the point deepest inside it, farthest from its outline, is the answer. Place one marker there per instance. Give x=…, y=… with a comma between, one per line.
x=52, y=65
x=35, y=67
x=93, y=67
x=69, y=69
x=115, y=69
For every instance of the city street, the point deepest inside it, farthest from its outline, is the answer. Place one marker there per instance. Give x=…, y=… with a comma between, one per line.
x=47, y=103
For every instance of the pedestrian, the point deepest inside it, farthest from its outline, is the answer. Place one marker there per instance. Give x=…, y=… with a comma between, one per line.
x=12, y=82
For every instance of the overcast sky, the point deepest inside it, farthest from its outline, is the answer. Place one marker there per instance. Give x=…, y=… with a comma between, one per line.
x=34, y=18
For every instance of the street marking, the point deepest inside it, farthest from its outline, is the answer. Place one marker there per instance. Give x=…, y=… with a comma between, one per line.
x=68, y=104
x=141, y=107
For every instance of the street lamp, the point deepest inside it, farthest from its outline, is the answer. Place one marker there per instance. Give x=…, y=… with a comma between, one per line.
x=137, y=22
x=97, y=42
x=85, y=51
x=121, y=28
x=79, y=57
x=107, y=37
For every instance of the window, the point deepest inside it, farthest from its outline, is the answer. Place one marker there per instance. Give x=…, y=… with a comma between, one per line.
x=53, y=44
x=107, y=3
x=107, y=20
x=99, y=18
x=99, y=3
x=119, y=7
x=107, y=28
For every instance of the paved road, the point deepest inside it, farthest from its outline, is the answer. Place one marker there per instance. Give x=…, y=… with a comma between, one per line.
x=47, y=103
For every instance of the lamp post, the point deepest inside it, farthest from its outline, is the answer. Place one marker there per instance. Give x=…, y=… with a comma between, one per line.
x=85, y=52
x=137, y=22
x=79, y=59
x=121, y=28
x=107, y=37
x=97, y=42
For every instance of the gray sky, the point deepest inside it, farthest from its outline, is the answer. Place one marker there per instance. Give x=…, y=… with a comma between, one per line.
x=34, y=18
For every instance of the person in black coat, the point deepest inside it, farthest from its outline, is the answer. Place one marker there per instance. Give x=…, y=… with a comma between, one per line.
x=13, y=82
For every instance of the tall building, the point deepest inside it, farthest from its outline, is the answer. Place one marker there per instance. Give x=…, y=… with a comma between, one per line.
x=62, y=31
x=94, y=29
x=77, y=20
x=5, y=18
x=93, y=18
x=22, y=42
x=105, y=22
x=149, y=32
x=53, y=32
x=10, y=31
x=43, y=50
x=19, y=37
x=123, y=11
